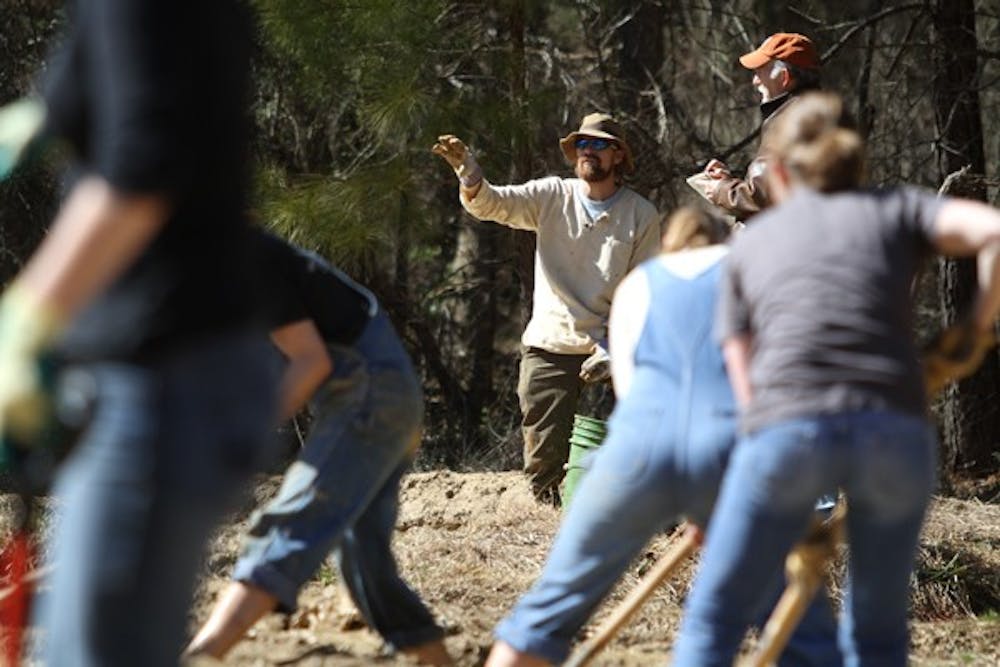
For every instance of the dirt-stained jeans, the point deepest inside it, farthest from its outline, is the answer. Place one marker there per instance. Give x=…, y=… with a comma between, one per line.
x=342, y=493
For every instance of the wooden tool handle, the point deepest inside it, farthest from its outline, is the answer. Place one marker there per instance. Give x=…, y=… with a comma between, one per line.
x=661, y=570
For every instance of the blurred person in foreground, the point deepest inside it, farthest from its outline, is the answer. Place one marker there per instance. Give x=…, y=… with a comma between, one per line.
x=669, y=438
x=591, y=230
x=818, y=342
x=142, y=285
x=342, y=492
x=784, y=67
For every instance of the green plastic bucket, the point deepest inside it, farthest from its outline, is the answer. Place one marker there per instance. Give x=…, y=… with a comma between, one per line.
x=588, y=434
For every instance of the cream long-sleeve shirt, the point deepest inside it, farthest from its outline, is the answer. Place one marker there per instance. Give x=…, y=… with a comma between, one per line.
x=579, y=261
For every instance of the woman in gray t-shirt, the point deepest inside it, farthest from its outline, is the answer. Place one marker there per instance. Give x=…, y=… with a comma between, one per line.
x=815, y=321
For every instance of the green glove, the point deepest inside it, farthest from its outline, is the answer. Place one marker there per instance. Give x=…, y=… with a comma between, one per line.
x=20, y=125
x=27, y=327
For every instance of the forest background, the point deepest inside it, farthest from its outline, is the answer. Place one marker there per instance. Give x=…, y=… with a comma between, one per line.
x=350, y=95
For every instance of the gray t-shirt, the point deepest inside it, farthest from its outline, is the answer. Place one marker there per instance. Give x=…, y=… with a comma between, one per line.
x=822, y=285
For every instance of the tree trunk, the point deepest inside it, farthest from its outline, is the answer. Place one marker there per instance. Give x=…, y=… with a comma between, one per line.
x=970, y=416
x=865, y=110
x=523, y=242
x=640, y=57
x=483, y=321
x=640, y=60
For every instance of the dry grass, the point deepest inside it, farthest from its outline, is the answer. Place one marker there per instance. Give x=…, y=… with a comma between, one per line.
x=471, y=543
x=958, y=564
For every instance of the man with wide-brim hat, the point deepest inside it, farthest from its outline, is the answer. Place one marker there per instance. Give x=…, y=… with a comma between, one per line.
x=784, y=66
x=591, y=231
x=599, y=126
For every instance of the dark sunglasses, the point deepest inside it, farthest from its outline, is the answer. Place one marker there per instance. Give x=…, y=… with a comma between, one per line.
x=595, y=144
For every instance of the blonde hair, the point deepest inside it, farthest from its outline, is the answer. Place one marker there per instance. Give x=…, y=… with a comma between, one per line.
x=815, y=141
x=690, y=227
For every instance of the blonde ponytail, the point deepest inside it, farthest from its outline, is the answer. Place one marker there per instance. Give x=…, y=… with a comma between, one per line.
x=817, y=145
x=690, y=227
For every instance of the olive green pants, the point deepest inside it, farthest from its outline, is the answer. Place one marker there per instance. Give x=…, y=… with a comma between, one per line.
x=549, y=390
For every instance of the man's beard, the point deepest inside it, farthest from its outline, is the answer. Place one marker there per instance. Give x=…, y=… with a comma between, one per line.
x=591, y=171
x=766, y=96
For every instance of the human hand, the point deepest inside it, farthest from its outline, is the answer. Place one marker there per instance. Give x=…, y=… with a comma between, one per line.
x=596, y=367
x=955, y=353
x=20, y=123
x=457, y=155
x=27, y=326
x=717, y=169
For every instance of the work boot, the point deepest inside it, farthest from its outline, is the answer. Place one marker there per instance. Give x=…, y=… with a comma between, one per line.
x=548, y=495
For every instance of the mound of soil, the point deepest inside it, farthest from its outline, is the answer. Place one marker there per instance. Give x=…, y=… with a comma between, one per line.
x=471, y=543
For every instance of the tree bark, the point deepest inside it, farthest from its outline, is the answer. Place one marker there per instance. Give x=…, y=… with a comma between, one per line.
x=970, y=416
x=640, y=60
x=641, y=55
x=523, y=242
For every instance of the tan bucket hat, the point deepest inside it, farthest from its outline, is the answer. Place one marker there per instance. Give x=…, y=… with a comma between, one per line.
x=600, y=126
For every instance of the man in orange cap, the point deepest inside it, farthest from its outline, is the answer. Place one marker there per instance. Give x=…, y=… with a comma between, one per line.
x=592, y=230
x=784, y=66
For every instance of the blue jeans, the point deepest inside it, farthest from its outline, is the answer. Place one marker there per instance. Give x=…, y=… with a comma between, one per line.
x=169, y=448
x=885, y=464
x=643, y=477
x=343, y=491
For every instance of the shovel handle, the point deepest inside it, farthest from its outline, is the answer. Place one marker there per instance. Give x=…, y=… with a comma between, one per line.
x=805, y=569
x=660, y=572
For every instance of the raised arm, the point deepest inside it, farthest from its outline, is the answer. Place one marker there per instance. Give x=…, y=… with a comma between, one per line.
x=459, y=158
x=515, y=206
x=963, y=227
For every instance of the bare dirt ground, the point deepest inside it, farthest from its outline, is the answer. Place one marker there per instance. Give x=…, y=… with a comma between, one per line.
x=472, y=542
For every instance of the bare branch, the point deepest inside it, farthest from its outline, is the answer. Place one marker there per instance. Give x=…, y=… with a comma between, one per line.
x=864, y=23
x=905, y=43
x=801, y=13
x=952, y=179
x=965, y=180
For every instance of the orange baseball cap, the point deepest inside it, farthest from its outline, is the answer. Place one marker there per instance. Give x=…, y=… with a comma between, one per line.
x=790, y=47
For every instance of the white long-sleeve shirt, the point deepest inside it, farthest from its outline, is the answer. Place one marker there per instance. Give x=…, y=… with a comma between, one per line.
x=579, y=261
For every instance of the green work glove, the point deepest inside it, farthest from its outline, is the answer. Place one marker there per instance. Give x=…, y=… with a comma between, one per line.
x=20, y=125
x=596, y=367
x=27, y=328
x=459, y=158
